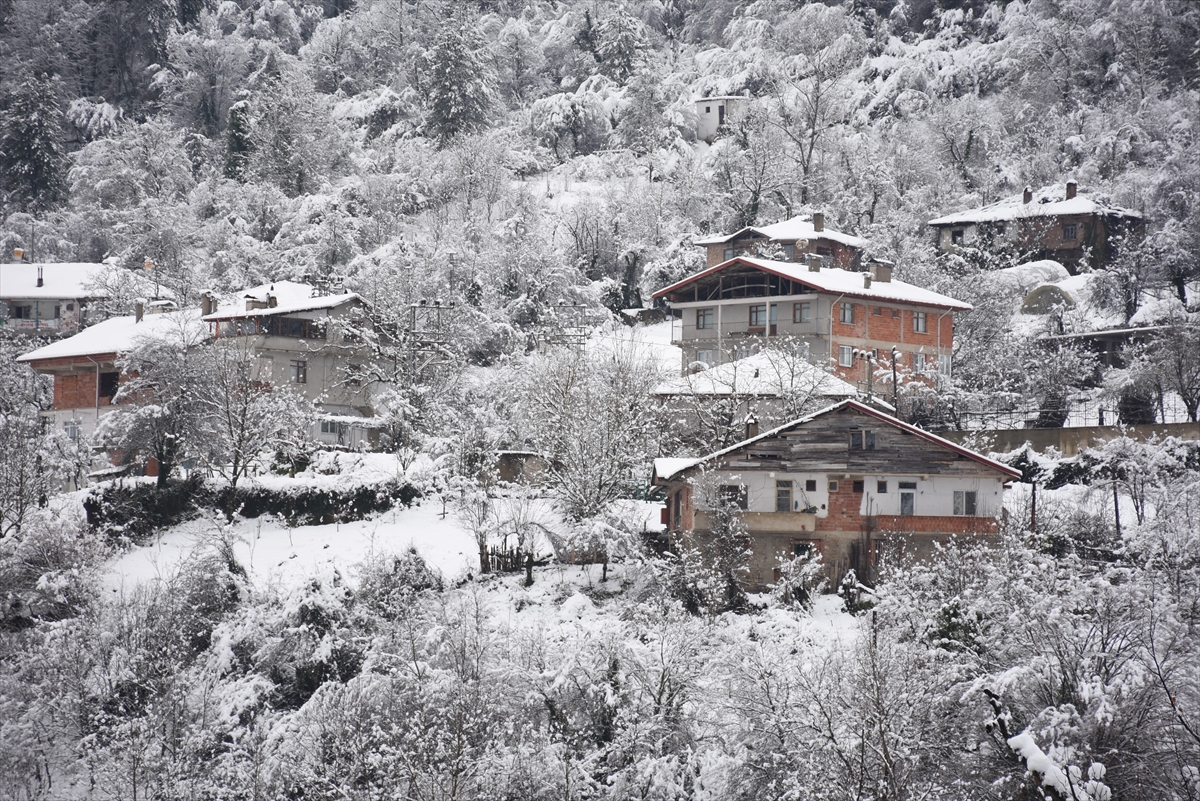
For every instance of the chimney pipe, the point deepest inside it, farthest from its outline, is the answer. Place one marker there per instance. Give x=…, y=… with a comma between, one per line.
x=1072, y=187
x=814, y=263
x=866, y=280
x=272, y=301
x=139, y=311
x=818, y=221
x=40, y=281
x=1028, y=196
x=883, y=273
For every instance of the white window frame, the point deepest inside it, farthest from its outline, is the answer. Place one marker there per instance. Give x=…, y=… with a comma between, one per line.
x=705, y=355
x=921, y=322
x=918, y=360
x=846, y=313
x=845, y=356
x=802, y=312
x=966, y=503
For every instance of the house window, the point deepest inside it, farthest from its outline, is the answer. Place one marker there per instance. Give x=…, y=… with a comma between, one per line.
x=22, y=312
x=783, y=496
x=299, y=371
x=919, y=322
x=789, y=252
x=1070, y=232
x=803, y=549
x=677, y=511
x=878, y=311
x=758, y=315
x=108, y=384
x=908, y=498
x=964, y=503
x=734, y=495
x=70, y=307
x=881, y=487
x=802, y=312
x=862, y=440
x=708, y=109
x=705, y=356
x=57, y=312
x=956, y=236
x=846, y=313
x=825, y=252
x=833, y=485
x=810, y=485
x=918, y=363
x=704, y=318
x=845, y=356
x=858, y=487
x=729, y=253
x=71, y=427
x=943, y=364
x=1001, y=229
x=895, y=313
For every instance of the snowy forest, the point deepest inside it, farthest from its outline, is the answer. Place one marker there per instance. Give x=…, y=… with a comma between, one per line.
x=274, y=618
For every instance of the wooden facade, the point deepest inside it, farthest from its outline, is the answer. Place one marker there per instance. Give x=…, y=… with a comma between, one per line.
x=849, y=481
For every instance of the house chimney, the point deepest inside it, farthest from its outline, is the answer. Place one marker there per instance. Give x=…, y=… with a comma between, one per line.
x=19, y=254
x=41, y=281
x=866, y=280
x=1071, y=188
x=883, y=272
x=814, y=263
x=139, y=310
x=818, y=221
x=751, y=426
x=1028, y=196
x=272, y=301
x=205, y=305
x=147, y=265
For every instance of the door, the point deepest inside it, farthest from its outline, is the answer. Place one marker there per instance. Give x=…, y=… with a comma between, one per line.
x=907, y=503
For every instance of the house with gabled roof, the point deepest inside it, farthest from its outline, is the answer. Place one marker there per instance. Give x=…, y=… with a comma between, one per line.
x=850, y=321
x=54, y=297
x=1055, y=222
x=290, y=337
x=849, y=481
x=796, y=239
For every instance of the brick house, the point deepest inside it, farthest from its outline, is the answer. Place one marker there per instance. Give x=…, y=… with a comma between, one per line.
x=292, y=344
x=848, y=481
x=797, y=238
x=730, y=310
x=1055, y=222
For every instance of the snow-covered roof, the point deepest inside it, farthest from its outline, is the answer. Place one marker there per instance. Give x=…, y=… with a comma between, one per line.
x=113, y=336
x=290, y=296
x=668, y=468
x=766, y=373
x=835, y=281
x=59, y=280
x=798, y=227
x=1048, y=201
x=1024, y=278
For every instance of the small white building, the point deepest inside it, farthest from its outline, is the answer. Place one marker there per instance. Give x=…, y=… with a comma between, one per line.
x=50, y=297
x=713, y=112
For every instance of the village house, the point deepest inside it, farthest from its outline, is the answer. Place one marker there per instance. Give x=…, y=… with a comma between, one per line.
x=848, y=482
x=713, y=112
x=51, y=298
x=1055, y=222
x=794, y=239
x=293, y=344
x=851, y=321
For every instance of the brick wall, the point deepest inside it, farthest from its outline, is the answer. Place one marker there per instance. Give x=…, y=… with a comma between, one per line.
x=76, y=391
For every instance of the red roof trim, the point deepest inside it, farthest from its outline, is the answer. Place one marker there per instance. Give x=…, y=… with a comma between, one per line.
x=711, y=270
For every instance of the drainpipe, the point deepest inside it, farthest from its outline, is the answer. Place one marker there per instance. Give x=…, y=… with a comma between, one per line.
x=832, y=307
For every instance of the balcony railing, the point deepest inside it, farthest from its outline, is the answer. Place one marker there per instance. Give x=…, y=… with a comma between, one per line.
x=686, y=331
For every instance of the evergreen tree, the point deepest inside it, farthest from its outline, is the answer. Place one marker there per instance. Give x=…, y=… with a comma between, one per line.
x=238, y=144
x=33, y=164
x=458, y=88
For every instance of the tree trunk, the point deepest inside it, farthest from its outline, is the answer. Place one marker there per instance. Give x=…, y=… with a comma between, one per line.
x=529, y=569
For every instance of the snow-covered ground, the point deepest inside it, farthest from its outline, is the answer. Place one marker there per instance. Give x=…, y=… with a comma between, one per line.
x=271, y=552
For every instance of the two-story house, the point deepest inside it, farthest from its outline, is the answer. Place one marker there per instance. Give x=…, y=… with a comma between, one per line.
x=1055, y=222
x=292, y=345
x=796, y=239
x=84, y=366
x=846, y=481
x=730, y=310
